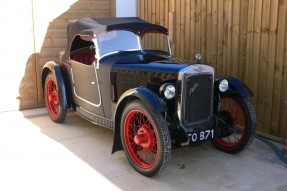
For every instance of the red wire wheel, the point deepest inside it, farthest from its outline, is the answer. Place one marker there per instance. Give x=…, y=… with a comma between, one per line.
x=145, y=139
x=243, y=121
x=141, y=139
x=57, y=114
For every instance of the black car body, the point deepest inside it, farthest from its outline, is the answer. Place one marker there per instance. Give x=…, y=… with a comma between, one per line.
x=110, y=75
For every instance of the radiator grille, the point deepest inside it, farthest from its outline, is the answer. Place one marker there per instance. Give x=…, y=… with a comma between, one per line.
x=197, y=98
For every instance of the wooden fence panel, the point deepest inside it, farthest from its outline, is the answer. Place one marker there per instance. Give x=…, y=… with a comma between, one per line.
x=262, y=89
x=243, y=38
x=271, y=63
x=278, y=73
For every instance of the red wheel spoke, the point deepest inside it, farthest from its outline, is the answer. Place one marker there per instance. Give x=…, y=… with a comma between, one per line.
x=233, y=108
x=145, y=157
x=154, y=150
x=236, y=137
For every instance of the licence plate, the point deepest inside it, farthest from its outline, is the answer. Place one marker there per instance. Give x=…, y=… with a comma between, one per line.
x=202, y=135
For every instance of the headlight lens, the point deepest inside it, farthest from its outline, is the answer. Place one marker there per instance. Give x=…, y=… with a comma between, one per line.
x=168, y=91
x=223, y=85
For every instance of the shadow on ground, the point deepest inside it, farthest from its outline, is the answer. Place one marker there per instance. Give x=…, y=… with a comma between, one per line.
x=201, y=168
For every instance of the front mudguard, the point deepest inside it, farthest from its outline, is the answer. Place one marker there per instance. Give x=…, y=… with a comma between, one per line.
x=148, y=97
x=54, y=68
x=235, y=87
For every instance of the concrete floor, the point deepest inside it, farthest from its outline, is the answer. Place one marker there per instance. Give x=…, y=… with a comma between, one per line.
x=37, y=154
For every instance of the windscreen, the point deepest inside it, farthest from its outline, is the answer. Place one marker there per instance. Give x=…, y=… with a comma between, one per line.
x=116, y=41
x=155, y=42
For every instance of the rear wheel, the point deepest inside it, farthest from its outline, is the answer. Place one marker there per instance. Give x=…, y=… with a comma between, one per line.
x=145, y=139
x=56, y=112
x=240, y=115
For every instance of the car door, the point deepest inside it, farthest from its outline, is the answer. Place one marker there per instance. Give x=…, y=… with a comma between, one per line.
x=86, y=86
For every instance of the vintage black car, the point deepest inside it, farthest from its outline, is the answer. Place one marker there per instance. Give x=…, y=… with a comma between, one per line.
x=114, y=75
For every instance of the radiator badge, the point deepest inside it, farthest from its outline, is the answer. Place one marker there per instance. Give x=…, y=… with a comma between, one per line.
x=193, y=88
x=199, y=68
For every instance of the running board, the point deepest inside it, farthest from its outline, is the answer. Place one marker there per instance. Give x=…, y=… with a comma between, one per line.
x=94, y=118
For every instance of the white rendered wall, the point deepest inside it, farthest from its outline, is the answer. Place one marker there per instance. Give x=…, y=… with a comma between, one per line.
x=126, y=8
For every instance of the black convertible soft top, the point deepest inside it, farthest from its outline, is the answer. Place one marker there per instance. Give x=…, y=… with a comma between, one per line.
x=95, y=26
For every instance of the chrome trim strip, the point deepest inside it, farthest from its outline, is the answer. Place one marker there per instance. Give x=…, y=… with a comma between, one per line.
x=110, y=53
x=168, y=44
x=98, y=85
x=139, y=42
x=97, y=53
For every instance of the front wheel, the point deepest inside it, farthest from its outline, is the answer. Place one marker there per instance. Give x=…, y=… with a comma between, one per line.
x=242, y=119
x=56, y=112
x=145, y=138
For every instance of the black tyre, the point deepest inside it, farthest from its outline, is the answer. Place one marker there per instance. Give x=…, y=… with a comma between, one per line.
x=243, y=120
x=145, y=138
x=56, y=112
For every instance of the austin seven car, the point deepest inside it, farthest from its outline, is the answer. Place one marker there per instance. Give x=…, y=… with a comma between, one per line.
x=120, y=73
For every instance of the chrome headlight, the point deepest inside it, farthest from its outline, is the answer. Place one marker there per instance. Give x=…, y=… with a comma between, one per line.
x=198, y=57
x=223, y=85
x=168, y=91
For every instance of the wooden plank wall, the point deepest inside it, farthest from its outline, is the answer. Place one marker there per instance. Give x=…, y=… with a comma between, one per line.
x=51, y=19
x=243, y=38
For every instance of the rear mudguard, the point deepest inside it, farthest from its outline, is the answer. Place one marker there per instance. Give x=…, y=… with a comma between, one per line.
x=54, y=68
x=148, y=97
